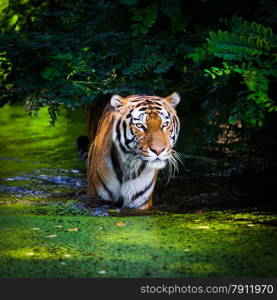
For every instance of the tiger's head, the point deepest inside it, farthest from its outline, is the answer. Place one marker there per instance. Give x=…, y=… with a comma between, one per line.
x=147, y=128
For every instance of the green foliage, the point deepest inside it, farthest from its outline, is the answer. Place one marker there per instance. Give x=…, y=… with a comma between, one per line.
x=73, y=69
x=70, y=53
x=144, y=18
x=247, y=40
x=247, y=55
x=5, y=68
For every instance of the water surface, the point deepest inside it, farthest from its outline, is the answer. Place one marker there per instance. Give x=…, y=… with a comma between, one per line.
x=39, y=164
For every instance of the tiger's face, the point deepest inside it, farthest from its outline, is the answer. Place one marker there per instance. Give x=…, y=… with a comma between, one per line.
x=147, y=127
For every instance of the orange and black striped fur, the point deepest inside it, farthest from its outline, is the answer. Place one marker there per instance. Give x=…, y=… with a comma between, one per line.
x=134, y=138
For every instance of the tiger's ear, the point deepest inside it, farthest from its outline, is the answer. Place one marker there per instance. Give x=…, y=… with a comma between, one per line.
x=117, y=101
x=173, y=99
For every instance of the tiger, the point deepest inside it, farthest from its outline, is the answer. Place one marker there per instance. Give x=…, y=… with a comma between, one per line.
x=133, y=140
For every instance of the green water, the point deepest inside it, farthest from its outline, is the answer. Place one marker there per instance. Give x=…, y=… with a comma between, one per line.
x=39, y=161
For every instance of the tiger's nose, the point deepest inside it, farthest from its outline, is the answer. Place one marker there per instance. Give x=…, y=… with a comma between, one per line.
x=157, y=149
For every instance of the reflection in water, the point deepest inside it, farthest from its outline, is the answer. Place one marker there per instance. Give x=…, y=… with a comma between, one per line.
x=39, y=162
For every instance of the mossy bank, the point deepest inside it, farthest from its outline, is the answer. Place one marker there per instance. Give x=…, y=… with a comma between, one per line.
x=36, y=242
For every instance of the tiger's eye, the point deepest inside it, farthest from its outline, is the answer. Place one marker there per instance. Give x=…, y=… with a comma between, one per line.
x=139, y=125
x=165, y=124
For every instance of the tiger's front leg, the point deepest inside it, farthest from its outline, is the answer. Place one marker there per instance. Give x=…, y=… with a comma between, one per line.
x=137, y=192
x=102, y=180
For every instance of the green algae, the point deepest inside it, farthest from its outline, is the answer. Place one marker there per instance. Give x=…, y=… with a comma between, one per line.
x=215, y=244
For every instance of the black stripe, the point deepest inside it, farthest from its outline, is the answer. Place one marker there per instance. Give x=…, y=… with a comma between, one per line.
x=127, y=141
x=137, y=195
x=157, y=103
x=173, y=131
x=130, y=113
x=122, y=148
x=115, y=163
x=142, y=103
x=105, y=187
x=173, y=138
x=174, y=121
x=153, y=98
x=132, y=133
x=138, y=173
x=124, y=125
x=130, y=141
x=137, y=99
x=118, y=130
x=177, y=125
x=118, y=133
x=141, y=205
x=143, y=108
